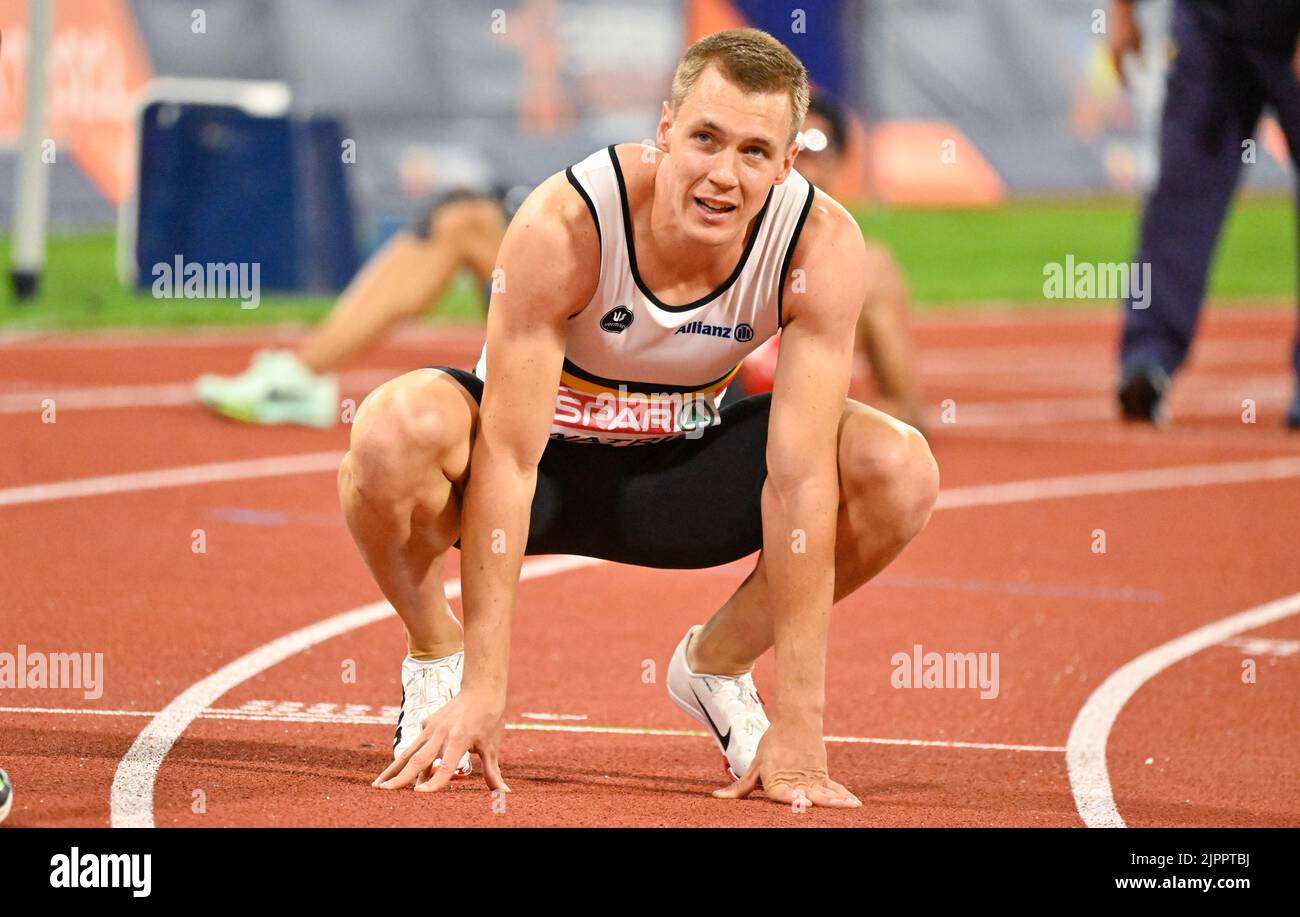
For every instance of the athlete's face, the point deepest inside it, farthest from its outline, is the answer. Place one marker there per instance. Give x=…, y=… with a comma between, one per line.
x=727, y=148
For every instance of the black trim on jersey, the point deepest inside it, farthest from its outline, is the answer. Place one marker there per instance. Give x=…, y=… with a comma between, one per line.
x=631, y=247
x=789, y=252
x=577, y=186
x=573, y=180
x=643, y=387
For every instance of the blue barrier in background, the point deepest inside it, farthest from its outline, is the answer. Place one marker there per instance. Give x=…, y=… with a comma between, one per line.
x=217, y=185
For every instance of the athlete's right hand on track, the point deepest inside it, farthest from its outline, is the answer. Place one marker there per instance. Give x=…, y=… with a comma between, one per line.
x=790, y=765
x=472, y=721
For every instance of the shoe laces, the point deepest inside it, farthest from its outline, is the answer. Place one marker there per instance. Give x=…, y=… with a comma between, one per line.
x=743, y=705
x=432, y=685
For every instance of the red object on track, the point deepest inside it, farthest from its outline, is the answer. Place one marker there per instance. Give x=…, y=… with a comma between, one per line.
x=758, y=372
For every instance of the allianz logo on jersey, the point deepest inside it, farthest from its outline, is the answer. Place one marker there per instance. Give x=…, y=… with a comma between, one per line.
x=742, y=332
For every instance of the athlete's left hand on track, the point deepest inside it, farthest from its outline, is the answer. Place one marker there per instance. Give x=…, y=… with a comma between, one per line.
x=791, y=764
x=472, y=721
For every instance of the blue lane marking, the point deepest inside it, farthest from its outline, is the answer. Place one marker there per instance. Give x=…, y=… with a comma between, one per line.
x=245, y=516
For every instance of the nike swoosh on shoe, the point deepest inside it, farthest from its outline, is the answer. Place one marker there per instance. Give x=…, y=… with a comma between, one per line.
x=724, y=739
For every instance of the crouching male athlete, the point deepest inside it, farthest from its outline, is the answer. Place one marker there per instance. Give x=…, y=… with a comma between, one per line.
x=636, y=282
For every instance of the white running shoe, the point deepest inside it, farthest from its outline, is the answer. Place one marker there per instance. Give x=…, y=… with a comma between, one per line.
x=426, y=687
x=729, y=706
x=275, y=389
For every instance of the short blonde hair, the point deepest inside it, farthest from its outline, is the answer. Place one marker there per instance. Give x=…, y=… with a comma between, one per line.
x=752, y=60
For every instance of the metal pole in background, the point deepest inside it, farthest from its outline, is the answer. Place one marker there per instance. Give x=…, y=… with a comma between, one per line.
x=32, y=196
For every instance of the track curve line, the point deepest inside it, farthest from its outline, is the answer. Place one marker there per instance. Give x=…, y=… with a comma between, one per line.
x=1085, y=750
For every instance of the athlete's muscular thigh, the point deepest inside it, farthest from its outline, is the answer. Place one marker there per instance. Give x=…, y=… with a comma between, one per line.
x=886, y=470
x=460, y=413
x=415, y=426
x=872, y=443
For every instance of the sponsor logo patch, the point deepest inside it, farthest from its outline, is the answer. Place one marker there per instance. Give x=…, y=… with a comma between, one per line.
x=617, y=319
x=638, y=413
x=717, y=331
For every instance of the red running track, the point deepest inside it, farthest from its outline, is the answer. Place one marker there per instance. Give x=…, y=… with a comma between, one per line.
x=1005, y=571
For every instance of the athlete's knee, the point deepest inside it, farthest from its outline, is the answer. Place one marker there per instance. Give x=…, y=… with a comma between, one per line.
x=401, y=432
x=889, y=464
x=460, y=222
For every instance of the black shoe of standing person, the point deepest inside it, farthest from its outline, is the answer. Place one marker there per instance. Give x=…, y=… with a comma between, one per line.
x=1293, y=412
x=1141, y=393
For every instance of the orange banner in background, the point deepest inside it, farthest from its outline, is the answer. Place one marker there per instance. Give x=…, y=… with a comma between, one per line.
x=96, y=66
x=930, y=163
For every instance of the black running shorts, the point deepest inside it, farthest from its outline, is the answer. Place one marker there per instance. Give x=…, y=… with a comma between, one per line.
x=680, y=504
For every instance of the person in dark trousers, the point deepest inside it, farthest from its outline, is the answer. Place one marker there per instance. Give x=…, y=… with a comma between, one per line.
x=1231, y=58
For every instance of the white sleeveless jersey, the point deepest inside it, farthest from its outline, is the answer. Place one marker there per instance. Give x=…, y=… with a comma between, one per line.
x=637, y=371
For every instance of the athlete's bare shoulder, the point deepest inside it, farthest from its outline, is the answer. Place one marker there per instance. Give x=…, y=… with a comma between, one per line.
x=829, y=221
x=832, y=254
x=551, y=250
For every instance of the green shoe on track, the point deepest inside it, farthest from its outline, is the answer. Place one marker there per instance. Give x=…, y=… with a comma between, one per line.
x=275, y=389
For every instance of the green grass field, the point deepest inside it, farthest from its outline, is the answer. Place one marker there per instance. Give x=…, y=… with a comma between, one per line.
x=954, y=259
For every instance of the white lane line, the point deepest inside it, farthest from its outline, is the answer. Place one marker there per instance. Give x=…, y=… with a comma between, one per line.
x=1093, y=361
x=850, y=740
x=1085, y=749
x=171, y=477
x=1166, y=442
x=1115, y=482
x=1045, y=411
x=343, y=719
x=938, y=743
x=1264, y=646
x=1268, y=392
x=165, y=394
x=1118, y=482
x=131, y=798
